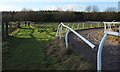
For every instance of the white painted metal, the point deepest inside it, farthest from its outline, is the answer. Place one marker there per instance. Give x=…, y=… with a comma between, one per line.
x=100, y=51
x=83, y=25
x=114, y=33
x=108, y=25
x=104, y=27
x=58, y=30
x=98, y=24
x=91, y=25
x=66, y=38
x=66, y=28
x=80, y=36
x=72, y=26
x=78, y=26
x=99, y=60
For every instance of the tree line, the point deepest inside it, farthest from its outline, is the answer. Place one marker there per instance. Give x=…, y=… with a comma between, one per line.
x=59, y=16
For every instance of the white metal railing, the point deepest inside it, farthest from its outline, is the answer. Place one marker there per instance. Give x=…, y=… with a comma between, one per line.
x=70, y=29
x=99, y=62
x=107, y=33
x=108, y=26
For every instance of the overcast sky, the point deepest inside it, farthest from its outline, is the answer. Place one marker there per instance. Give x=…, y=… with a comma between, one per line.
x=76, y=5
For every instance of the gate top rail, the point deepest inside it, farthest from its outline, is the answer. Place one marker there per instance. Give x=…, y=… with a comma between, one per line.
x=80, y=36
x=111, y=22
x=111, y=26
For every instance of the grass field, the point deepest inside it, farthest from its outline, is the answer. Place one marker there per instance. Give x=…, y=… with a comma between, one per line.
x=36, y=48
x=26, y=49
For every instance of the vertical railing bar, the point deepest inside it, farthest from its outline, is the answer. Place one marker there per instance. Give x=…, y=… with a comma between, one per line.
x=60, y=31
x=99, y=64
x=57, y=30
x=72, y=25
x=66, y=38
x=80, y=36
x=78, y=26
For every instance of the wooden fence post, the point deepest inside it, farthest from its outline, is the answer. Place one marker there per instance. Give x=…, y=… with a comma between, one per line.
x=3, y=35
x=18, y=24
x=6, y=29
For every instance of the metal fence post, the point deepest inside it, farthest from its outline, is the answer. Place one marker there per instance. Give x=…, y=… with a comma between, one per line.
x=90, y=25
x=72, y=25
x=66, y=38
x=99, y=62
x=83, y=25
x=57, y=30
x=60, y=31
x=78, y=26
x=104, y=27
x=66, y=28
x=98, y=24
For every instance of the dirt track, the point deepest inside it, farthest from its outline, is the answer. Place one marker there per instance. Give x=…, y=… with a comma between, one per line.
x=110, y=53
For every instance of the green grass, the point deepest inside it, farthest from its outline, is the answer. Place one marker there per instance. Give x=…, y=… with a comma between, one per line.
x=110, y=37
x=36, y=48
x=25, y=50
x=66, y=58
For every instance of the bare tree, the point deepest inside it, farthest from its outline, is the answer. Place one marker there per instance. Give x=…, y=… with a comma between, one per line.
x=59, y=9
x=24, y=9
x=91, y=9
x=95, y=9
x=88, y=9
x=110, y=9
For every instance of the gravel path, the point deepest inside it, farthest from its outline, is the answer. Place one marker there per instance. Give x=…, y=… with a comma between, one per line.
x=110, y=53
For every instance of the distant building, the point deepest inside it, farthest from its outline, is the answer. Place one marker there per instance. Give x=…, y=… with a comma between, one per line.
x=119, y=6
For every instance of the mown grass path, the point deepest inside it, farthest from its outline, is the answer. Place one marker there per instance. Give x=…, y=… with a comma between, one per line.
x=26, y=49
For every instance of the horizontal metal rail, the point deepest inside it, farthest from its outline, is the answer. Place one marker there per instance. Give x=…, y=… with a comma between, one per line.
x=108, y=26
x=80, y=36
x=111, y=22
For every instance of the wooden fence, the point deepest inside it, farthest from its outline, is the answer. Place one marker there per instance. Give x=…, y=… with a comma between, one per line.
x=7, y=28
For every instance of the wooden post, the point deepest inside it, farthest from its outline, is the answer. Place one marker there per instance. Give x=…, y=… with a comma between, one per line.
x=6, y=29
x=18, y=24
x=10, y=27
x=3, y=35
x=72, y=25
x=90, y=25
